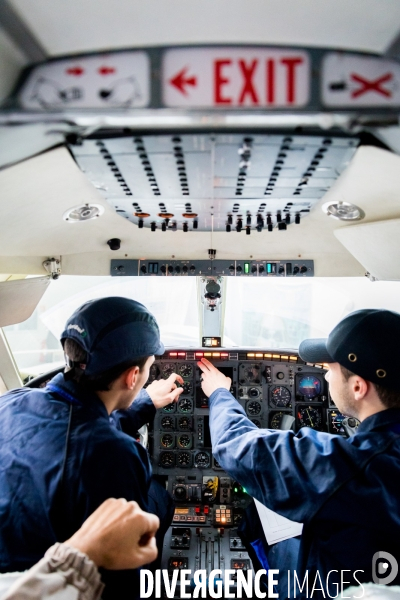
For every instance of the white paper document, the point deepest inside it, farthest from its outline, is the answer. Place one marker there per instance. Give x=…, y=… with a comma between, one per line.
x=277, y=528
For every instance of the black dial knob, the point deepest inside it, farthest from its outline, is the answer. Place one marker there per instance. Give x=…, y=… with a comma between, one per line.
x=170, y=269
x=239, y=269
x=303, y=269
x=295, y=270
x=192, y=269
x=180, y=492
x=281, y=270
x=143, y=269
x=163, y=269
x=261, y=269
x=177, y=269
x=184, y=269
x=254, y=269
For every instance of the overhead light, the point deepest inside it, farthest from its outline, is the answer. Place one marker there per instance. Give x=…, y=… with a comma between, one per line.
x=85, y=212
x=343, y=211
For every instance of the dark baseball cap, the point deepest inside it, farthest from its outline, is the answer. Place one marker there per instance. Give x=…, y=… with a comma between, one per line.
x=365, y=342
x=113, y=331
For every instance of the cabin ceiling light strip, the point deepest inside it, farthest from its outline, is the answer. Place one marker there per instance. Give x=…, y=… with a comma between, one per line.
x=344, y=211
x=84, y=212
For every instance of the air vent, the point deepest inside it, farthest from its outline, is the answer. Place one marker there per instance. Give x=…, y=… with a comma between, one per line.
x=85, y=212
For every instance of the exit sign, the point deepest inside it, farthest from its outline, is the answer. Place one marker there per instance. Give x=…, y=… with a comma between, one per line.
x=227, y=77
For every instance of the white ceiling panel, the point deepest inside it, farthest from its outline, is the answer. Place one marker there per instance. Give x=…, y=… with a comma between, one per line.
x=89, y=25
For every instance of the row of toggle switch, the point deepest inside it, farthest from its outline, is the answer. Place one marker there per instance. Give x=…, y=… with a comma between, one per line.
x=235, y=268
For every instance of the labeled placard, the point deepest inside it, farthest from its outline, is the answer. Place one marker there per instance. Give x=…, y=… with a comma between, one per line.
x=115, y=80
x=356, y=81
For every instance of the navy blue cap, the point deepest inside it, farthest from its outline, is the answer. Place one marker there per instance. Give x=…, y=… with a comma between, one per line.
x=365, y=342
x=112, y=331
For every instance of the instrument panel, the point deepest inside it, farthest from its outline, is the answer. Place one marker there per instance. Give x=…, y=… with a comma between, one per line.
x=277, y=391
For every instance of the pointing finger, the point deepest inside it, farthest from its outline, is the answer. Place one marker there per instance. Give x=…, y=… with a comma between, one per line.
x=202, y=367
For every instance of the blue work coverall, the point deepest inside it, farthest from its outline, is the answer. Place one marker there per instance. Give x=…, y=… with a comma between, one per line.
x=61, y=456
x=345, y=491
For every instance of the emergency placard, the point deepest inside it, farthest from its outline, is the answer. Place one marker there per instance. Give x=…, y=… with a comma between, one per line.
x=236, y=78
x=350, y=80
x=115, y=80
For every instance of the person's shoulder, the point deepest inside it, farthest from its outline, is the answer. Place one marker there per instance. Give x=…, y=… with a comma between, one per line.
x=17, y=395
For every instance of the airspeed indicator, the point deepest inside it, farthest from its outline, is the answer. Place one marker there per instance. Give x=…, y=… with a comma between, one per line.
x=280, y=396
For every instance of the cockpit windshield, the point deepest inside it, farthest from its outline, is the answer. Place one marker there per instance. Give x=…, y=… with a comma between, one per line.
x=274, y=313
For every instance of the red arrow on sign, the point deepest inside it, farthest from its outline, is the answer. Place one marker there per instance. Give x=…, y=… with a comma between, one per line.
x=75, y=71
x=180, y=81
x=106, y=70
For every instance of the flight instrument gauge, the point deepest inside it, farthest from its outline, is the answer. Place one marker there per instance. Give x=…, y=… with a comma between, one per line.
x=253, y=408
x=202, y=460
x=169, y=408
x=256, y=422
x=187, y=387
x=335, y=422
x=186, y=370
x=309, y=416
x=276, y=420
x=184, y=441
x=309, y=386
x=185, y=423
x=167, y=459
x=185, y=405
x=280, y=396
x=184, y=459
x=167, y=369
x=153, y=373
x=250, y=373
x=167, y=423
x=167, y=440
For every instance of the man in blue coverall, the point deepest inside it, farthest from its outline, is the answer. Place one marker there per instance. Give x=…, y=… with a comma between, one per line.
x=63, y=450
x=345, y=491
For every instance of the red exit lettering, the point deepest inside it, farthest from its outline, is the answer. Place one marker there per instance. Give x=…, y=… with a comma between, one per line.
x=241, y=76
x=220, y=81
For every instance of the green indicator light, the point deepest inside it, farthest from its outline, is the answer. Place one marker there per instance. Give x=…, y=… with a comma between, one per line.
x=269, y=268
x=247, y=268
x=244, y=491
x=235, y=489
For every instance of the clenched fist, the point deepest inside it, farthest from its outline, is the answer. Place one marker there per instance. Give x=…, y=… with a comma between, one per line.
x=118, y=535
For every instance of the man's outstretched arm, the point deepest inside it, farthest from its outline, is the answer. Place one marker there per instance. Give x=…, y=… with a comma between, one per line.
x=291, y=474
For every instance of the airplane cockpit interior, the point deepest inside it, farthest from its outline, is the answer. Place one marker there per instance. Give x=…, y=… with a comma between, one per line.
x=235, y=168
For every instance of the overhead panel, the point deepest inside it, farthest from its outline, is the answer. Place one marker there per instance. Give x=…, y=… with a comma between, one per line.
x=208, y=182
